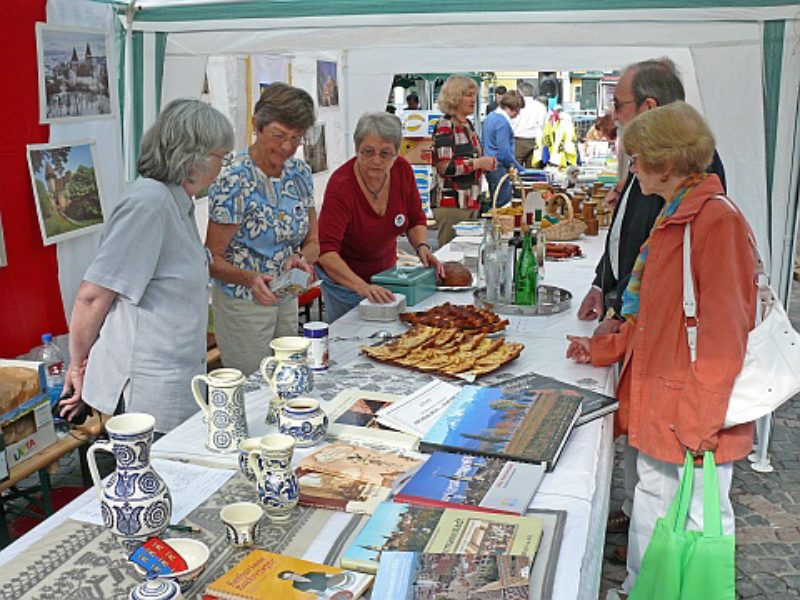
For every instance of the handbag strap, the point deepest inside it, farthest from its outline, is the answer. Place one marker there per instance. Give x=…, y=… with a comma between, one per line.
x=764, y=300
x=679, y=509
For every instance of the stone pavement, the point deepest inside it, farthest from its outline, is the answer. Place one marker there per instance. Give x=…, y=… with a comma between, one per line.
x=767, y=507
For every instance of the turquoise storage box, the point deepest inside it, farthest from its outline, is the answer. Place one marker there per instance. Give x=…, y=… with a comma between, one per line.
x=416, y=283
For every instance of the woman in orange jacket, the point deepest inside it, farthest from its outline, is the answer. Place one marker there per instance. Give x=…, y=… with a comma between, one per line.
x=669, y=404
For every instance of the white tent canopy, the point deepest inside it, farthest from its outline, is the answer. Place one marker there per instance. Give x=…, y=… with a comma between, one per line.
x=723, y=53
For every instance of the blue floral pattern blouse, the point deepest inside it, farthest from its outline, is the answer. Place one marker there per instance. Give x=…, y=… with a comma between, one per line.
x=272, y=214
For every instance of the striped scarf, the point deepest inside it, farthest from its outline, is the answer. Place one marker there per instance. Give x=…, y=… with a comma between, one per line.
x=630, y=297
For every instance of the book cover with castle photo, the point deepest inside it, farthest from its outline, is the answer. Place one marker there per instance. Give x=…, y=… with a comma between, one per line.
x=529, y=426
x=397, y=526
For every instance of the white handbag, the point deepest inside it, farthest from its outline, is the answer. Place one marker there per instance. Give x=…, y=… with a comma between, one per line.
x=770, y=374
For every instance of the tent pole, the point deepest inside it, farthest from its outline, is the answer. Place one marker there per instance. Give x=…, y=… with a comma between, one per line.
x=127, y=120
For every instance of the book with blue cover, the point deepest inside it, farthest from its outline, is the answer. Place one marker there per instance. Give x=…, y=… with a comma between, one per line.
x=472, y=482
x=528, y=426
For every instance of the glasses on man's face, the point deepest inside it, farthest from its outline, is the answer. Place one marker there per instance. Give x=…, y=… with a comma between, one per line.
x=372, y=153
x=620, y=103
x=282, y=137
x=634, y=158
x=220, y=155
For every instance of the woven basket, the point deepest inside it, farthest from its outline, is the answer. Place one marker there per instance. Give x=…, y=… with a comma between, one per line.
x=505, y=222
x=569, y=228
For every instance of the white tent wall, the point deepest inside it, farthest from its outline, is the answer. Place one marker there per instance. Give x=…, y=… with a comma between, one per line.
x=75, y=254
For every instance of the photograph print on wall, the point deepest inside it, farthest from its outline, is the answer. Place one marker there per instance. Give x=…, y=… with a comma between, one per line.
x=73, y=74
x=314, y=151
x=66, y=190
x=327, y=84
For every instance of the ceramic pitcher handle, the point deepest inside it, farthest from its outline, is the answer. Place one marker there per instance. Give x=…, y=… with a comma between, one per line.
x=255, y=464
x=202, y=402
x=266, y=371
x=90, y=459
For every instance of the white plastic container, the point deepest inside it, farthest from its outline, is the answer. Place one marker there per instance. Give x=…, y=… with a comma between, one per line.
x=317, y=333
x=382, y=312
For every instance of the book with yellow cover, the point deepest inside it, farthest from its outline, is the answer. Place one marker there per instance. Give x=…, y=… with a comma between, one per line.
x=262, y=574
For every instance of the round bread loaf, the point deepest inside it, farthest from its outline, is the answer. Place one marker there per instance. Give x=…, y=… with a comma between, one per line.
x=456, y=274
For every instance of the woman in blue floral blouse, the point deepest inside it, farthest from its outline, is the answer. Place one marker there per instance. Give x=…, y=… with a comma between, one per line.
x=262, y=221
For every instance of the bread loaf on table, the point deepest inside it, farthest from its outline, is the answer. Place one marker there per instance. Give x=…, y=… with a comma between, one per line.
x=456, y=275
x=17, y=384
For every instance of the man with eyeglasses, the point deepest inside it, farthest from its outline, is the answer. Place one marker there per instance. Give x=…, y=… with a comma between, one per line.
x=642, y=86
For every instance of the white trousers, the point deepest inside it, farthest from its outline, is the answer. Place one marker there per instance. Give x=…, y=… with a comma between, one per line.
x=658, y=483
x=244, y=329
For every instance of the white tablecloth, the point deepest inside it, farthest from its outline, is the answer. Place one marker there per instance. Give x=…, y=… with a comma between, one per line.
x=579, y=484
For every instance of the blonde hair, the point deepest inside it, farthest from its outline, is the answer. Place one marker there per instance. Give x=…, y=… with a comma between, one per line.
x=453, y=90
x=675, y=135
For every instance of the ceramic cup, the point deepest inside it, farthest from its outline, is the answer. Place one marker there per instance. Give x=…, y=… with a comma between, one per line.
x=287, y=372
x=304, y=420
x=276, y=481
x=245, y=447
x=223, y=407
x=241, y=522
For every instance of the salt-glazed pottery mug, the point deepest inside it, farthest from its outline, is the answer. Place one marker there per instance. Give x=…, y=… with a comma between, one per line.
x=287, y=372
x=241, y=522
x=245, y=447
x=134, y=502
x=304, y=420
x=156, y=589
x=276, y=481
x=224, y=408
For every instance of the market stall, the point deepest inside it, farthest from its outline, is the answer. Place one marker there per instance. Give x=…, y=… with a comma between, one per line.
x=62, y=553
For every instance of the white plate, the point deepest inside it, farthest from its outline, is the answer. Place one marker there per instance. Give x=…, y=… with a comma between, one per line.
x=458, y=288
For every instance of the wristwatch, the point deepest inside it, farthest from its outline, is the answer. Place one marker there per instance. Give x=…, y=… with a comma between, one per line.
x=420, y=245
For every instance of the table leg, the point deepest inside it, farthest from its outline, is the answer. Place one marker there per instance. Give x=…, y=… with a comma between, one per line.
x=5, y=536
x=47, y=496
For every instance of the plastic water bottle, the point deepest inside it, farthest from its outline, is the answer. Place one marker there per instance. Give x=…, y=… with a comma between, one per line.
x=53, y=360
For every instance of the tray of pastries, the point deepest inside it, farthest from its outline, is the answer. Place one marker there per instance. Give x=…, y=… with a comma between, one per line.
x=562, y=251
x=467, y=318
x=446, y=352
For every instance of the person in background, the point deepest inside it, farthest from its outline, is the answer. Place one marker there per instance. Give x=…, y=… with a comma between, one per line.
x=602, y=130
x=670, y=404
x=643, y=86
x=262, y=222
x=457, y=157
x=528, y=126
x=138, y=327
x=495, y=101
x=412, y=102
x=369, y=201
x=498, y=141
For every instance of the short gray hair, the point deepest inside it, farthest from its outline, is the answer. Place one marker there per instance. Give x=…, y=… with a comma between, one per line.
x=289, y=106
x=525, y=88
x=657, y=79
x=181, y=139
x=381, y=124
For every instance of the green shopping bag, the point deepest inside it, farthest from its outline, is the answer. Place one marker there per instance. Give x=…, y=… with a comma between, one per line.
x=689, y=565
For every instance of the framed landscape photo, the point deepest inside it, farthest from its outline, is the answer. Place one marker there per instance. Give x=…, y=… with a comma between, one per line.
x=327, y=83
x=73, y=74
x=65, y=186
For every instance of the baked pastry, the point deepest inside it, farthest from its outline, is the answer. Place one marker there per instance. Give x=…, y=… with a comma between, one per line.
x=562, y=250
x=456, y=275
x=446, y=351
x=467, y=318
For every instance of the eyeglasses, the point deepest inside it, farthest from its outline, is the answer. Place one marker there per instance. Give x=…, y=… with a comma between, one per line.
x=372, y=153
x=219, y=155
x=282, y=138
x=620, y=103
x=633, y=160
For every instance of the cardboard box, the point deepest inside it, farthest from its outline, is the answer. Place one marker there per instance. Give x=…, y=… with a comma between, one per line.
x=420, y=123
x=423, y=175
x=27, y=425
x=417, y=151
x=43, y=436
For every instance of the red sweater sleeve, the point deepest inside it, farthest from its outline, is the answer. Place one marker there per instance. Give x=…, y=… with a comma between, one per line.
x=335, y=213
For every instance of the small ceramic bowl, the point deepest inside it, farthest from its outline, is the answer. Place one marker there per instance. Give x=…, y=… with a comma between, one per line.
x=194, y=552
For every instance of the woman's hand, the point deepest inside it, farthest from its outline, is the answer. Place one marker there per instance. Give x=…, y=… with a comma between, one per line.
x=259, y=284
x=578, y=349
x=376, y=294
x=298, y=261
x=427, y=259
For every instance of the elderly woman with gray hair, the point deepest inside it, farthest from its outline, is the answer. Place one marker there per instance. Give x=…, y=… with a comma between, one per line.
x=138, y=328
x=370, y=201
x=262, y=222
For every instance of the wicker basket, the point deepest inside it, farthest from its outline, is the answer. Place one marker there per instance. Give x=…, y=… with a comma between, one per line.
x=504, y=221
x=569, y=228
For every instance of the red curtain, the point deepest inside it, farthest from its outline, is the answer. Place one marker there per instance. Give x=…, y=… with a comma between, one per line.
x=30, y=297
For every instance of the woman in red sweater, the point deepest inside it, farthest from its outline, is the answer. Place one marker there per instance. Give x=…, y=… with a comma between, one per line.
x=369, y=201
